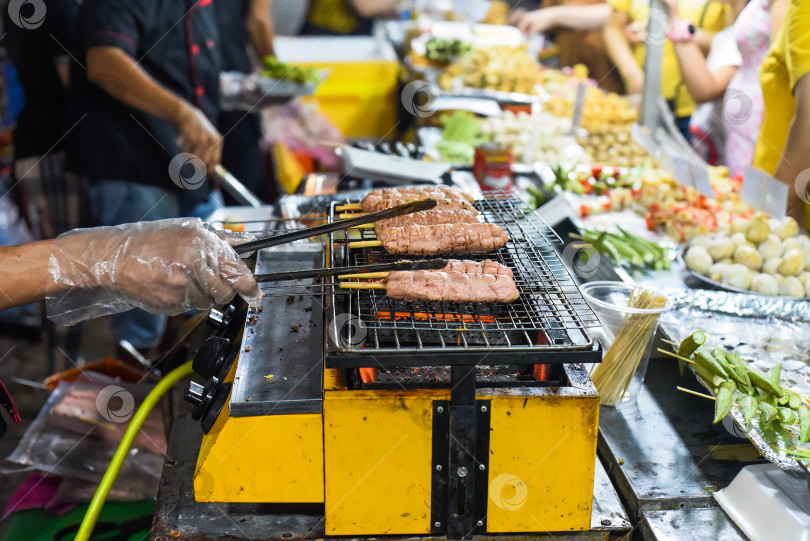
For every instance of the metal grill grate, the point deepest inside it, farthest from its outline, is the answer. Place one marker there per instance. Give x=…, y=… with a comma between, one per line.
x=549, y=316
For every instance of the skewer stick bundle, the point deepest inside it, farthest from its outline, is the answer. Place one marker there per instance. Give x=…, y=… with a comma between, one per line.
x=614, y=374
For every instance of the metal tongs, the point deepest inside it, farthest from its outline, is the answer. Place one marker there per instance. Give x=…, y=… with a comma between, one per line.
x=424, y=264
x=284, y=238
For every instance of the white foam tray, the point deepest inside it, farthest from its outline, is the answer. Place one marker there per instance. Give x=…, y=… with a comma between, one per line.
x=767, y=504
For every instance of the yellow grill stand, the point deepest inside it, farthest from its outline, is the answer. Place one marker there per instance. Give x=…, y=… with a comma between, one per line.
x=369, y=457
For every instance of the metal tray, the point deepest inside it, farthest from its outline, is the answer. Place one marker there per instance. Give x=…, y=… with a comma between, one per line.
x=752, y=432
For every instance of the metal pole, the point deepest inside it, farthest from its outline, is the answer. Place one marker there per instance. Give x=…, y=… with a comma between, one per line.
x=657, y=31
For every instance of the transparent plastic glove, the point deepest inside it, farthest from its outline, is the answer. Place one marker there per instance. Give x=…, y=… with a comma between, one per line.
x=166, y=267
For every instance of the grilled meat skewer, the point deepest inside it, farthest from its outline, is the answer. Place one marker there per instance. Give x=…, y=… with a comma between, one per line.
x=429, y=217
x=443, y=239
x=447, y=198
x=486, y=266
x=450, y=286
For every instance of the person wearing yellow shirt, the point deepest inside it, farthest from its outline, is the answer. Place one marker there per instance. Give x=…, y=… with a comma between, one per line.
x=627, y=51
x=783, y=147
x=345, y=17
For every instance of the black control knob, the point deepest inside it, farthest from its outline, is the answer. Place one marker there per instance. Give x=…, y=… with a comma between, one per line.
x=210, y=356
x=215, y=405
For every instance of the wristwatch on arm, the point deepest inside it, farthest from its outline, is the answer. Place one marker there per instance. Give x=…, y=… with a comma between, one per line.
x=682, y=30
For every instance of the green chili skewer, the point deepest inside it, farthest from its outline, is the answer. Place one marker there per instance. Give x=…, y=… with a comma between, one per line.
x=688, y=347
x=767, y=412
x=748, y=407
x=804, y=423
x=706, y=359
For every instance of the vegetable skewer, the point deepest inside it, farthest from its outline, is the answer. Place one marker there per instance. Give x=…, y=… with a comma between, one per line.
x=727, y=374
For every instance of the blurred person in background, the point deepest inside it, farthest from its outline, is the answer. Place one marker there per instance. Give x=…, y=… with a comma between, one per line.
x=783, y=147
x=729, y=78
x=346, y=17
x=576, y=28
x=243, y=24
x=625, y=36
x=144, y=111
x=288, y=16
x=52, y=201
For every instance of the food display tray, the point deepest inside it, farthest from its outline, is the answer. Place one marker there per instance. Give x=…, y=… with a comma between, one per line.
x=711, y=284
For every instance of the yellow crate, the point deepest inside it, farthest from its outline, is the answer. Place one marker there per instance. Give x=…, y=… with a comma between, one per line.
x=359, y=98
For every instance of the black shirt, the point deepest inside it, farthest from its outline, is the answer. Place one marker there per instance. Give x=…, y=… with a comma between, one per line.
x=35, y=51
x=174, y=41
x=233, y=34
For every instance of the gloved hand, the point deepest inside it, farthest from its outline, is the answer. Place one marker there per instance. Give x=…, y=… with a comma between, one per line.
x=166, y=267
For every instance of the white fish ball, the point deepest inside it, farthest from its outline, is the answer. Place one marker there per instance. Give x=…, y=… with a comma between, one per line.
x=698, y=259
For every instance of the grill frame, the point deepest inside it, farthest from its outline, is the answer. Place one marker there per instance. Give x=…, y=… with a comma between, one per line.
x=550, y=308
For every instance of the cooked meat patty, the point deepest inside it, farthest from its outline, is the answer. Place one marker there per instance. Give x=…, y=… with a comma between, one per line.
x=430, y=217
x=447, y=198
x=443, y=239
x=450, y=286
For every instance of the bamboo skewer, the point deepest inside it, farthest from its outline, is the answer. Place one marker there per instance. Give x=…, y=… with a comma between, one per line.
x=349, y=206
x=363, y=275
x=362, y=285
x=689, y=391
x=365, y=244
x=710, y=397
x=671, y=343
x=345, y=215
x=684, y=359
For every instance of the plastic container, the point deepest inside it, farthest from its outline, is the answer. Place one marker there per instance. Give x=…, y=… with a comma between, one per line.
x=609, y=301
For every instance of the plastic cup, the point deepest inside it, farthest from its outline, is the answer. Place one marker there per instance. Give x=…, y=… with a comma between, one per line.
x=609, y=301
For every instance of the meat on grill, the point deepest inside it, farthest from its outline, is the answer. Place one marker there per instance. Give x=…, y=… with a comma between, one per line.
x=417, y=192
x=443, y=239
x=430, y=217
x=447, y=198
x=486, y=266
x=449, y=286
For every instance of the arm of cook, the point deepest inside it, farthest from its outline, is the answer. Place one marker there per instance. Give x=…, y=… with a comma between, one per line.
x=260, y=27
x=165, y=266
x=113, y=37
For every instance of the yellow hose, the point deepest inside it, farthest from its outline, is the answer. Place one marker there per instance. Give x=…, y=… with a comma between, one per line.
x=90, y=518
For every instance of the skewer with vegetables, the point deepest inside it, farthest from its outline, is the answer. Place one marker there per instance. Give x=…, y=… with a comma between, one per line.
x=736, y=383
x=626, y=249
